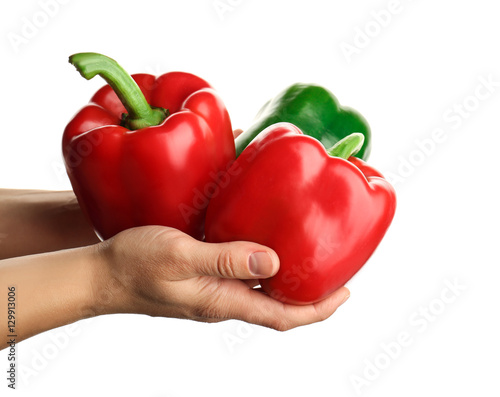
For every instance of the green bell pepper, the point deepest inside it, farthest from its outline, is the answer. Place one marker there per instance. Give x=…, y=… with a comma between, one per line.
x=313, y=109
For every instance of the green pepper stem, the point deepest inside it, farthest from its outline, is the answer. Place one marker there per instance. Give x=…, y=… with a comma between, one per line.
x=140, y=114
x=348, y=146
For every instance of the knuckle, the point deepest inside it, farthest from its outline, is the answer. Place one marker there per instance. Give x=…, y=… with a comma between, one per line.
x=281, y=325
x=322, y=316
x=213, y=307
x=207, y=311
x=175, y=253
x=225, y=264
x=177, y=243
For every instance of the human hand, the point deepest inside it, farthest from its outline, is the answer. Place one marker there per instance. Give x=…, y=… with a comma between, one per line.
x=36, y=221
x=161, y=271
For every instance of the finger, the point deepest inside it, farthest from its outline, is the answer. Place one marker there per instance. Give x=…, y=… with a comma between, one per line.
x=251, y=283
x=238, y=260
x=237, y=132
x=261, y=290
x=258, y=308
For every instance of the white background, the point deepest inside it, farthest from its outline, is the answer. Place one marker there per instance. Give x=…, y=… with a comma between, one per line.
x=409, y=78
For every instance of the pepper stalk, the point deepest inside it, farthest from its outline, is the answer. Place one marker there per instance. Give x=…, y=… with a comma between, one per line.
x=140, y=113
x=348, y=146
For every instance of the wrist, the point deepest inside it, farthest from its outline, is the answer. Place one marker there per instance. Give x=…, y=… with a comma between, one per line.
x=70, y=227
x=98, y=280
x=108, y=284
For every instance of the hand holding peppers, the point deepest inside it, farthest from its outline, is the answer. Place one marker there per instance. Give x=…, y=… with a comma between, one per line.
x=145, y=149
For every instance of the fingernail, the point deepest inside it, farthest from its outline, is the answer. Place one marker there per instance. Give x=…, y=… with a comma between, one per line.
x=260, y=264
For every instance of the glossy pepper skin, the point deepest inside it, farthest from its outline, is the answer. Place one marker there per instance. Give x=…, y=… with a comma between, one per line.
x=324, y=216
x=132, y=164
x=316, y=111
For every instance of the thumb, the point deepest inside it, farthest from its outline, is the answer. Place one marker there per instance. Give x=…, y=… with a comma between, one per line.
x=238, y=259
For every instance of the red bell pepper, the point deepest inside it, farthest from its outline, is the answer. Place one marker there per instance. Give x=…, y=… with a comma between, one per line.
x=146, y=150
x=323, y=212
